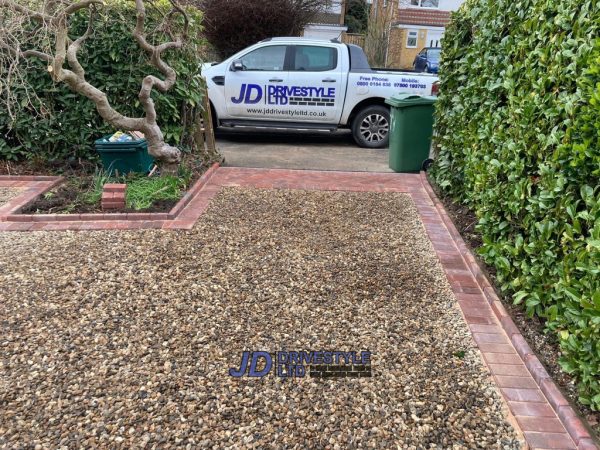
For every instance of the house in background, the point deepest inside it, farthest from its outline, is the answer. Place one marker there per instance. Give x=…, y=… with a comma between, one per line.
x=328, y=24
x=415, y=24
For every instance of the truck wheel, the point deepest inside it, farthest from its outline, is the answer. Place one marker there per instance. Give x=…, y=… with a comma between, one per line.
x=371, y=127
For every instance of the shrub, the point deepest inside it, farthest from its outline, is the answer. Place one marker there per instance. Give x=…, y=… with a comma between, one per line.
x=232, y=25
x=60, y=124
x=518, y=141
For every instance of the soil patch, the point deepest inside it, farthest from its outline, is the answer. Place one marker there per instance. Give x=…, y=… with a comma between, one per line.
x=69, y=197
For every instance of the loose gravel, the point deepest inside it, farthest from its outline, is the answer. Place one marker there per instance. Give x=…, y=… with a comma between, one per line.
x=125, y=339
x=7, y=194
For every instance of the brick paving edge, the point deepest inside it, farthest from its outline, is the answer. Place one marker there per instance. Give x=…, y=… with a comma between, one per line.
x=574, y=425
x=75, y=220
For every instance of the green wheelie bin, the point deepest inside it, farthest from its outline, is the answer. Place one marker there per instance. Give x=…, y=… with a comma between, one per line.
x=410, y=131
x=124, y=157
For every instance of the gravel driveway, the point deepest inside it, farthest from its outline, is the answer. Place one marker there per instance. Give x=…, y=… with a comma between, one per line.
x=7, y=194
x=126, y=338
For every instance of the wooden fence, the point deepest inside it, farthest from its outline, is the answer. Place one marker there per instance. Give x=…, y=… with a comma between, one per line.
x=354, y=38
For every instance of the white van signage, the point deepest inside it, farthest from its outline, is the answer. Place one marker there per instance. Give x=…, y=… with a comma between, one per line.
x=306, y=83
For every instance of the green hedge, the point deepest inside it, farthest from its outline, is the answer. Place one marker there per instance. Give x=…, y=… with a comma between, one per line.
x=518, y=128
x=63, y=124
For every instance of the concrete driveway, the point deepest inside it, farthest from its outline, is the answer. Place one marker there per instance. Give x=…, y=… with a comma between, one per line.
x=310, y=150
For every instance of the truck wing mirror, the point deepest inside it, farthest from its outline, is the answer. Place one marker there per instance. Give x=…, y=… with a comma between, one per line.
x=237, y=65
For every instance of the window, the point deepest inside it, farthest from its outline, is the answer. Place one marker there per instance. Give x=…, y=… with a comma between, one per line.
x=425, y=3
x=269, y=58
x=315, y=59
x=411, y=39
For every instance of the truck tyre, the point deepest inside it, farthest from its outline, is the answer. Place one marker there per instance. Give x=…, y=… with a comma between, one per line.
x=371, y=127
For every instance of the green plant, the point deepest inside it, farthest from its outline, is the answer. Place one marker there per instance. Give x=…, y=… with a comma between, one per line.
x=60, y=124
x=144, y=191
x=519, y=142
x=94, y=193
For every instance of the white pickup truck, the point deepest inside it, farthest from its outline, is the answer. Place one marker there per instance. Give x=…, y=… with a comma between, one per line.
x=308, y=84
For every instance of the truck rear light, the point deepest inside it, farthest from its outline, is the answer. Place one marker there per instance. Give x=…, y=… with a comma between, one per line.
x=435, y=88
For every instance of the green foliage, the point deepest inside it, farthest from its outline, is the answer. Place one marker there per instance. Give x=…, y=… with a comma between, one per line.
x=61, y=124
x=518, y=129
x=357, y=16
x=143, y=192
x=94, y=193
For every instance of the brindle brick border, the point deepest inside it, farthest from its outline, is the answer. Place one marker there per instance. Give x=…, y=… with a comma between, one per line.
x=182, y=216
x=534, y=399
x=537, y=406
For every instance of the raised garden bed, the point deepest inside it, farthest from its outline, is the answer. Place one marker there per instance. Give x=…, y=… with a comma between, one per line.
x=532, y=328
x=81, y=191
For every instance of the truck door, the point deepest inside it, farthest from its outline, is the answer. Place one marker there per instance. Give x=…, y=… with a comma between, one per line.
x=314, y=88
x=251, y=83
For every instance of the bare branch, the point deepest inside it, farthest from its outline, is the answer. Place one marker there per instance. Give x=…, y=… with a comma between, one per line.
x=75, y=46
x=81, y=5
x=18, y=53
x=35, y=15
x=51, y=36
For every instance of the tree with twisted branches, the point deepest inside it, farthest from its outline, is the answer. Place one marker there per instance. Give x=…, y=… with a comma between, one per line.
x=45, y=24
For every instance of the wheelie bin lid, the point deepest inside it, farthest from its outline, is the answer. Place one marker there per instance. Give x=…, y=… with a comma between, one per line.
x=403, y=100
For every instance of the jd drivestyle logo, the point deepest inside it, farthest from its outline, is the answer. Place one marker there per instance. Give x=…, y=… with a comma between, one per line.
x=320, y=364
x=252, y=94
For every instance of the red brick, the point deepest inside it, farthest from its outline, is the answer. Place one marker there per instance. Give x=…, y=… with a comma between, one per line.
x=536, y=369
x=587, y=444
x=477, y=328
x=20, y=218
x=521, y=345
x=523, y=395
x=573, y=423
x=542, y=424
x=68, y=217
x=489, y=338
x=490, y=294
x=499, y=309
x=109, y=205
x=553, y=394
x=139, y=216
x=114, y=187
x=549, y=441
x=92, y=217
x=516, y=382
x=509, y=326
x=502, y=358
x=531, y=409
x=18, y=226
x=152, y=224
x=496, y=348
x=119, y=196
x=514, y=370
x=472, y=319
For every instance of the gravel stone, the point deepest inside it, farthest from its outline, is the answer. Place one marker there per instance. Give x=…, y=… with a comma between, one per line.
x=125, y=338
x=7, y=194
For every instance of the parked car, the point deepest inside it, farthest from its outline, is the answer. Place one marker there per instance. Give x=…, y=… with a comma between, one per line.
x=304, y=83
x=428, y=60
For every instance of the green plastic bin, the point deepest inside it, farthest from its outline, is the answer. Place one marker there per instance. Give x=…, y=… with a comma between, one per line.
x=411, y=130
x=124, y=157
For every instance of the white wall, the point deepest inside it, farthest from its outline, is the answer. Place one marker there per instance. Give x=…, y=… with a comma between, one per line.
x=444, y=5
x=450, y=5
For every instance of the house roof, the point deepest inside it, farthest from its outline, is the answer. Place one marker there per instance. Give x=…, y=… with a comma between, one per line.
x=426, y=17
